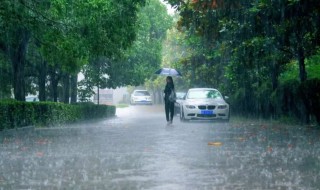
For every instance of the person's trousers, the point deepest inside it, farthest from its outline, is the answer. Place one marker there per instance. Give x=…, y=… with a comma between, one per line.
x=169, y=108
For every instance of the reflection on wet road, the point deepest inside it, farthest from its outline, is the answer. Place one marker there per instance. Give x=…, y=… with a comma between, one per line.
x=137, y=150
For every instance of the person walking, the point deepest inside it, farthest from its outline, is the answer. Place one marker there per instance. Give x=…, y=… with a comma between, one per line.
x=169, y=104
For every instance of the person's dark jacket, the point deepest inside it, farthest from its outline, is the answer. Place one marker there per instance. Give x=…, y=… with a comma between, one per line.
x=169, y=87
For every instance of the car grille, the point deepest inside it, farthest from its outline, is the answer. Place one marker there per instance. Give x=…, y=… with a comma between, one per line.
x=206, y=107
x=202, y=107
x=210, y=107
x=206, y=116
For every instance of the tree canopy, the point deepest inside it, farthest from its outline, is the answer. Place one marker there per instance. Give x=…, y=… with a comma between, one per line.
x=137, y=63
x=57, y=38
x=244, y=47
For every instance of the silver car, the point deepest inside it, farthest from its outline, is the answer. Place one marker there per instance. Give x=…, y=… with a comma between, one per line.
x=140, y=97
x=32, y=99
x=204, y=104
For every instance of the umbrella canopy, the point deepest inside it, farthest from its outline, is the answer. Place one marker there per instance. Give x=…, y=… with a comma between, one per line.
x=168, y=72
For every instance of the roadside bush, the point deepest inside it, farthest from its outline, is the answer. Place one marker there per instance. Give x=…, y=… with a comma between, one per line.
x=286, y=100
x=15, y=114
x=252, y=102
x=309, y=92
x=298, y=100
x=50, y=113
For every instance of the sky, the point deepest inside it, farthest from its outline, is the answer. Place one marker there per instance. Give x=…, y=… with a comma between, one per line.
x=169, y=8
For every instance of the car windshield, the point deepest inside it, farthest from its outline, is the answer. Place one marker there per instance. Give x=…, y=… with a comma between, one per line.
x=31, y=99
x=141, y=93
x=204, y=94
x=180, y=95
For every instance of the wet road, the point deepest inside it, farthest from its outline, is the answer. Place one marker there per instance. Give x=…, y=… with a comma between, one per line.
x=137, y=150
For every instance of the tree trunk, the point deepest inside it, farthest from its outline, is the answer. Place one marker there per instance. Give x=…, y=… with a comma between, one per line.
x=42, y=81
x=98, y=95
x=66, y=88
x=275, y=74
x=302, y=67
x=303, y=77
x=160, y=99
x=275, y=82
x=18, y=79
x=18, y=55
x=154, y=96
x=54, y=87
x=54, y=81
x=74, y=88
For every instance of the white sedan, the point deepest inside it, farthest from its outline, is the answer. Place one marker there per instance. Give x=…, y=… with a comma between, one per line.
x=204, y=104
x=141, y=97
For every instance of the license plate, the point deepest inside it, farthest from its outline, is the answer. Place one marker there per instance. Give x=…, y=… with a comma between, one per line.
x=206, y=112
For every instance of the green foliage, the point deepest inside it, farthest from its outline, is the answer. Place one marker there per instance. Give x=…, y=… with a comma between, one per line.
x=292, y=99
x=145, y=55
x=5, y=78
x=85, y=91
x=140, y=60
x=63, y=35
x=251, y=50
x=291, y=70
x=313, y=66
x=286, y=100
x=19, y=114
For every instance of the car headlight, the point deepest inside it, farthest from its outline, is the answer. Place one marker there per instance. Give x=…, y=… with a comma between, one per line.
x=222, y=107
x=190, y=107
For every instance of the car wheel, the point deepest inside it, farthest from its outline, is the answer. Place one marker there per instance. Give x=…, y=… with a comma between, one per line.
x=182, y=118
x=181, y=115
x=176, y=111
x=228, y=119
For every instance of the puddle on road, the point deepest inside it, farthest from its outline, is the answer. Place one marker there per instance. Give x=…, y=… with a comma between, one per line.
x=136, y=150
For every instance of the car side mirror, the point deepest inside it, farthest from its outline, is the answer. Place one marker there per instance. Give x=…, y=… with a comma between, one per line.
x=226, y=97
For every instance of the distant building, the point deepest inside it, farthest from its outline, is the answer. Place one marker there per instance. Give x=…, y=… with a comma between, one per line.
x=111, y=96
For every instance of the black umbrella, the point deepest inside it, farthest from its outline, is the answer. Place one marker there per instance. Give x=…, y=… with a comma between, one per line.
x=168, y=72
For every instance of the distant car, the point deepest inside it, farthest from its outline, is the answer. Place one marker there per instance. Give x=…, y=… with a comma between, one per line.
x=177, y=104
x=140, y=97
x=32, y=99
x=204, y=104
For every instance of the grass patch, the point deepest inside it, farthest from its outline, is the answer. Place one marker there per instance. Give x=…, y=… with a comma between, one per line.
x=122, y=105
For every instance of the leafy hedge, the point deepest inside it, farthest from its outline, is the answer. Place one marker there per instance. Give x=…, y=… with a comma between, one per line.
x=310, y=95
x=293, y=100
x=299, y=100
x=18, y=114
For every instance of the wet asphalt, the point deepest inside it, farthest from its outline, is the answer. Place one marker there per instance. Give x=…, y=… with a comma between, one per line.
x=138, y=150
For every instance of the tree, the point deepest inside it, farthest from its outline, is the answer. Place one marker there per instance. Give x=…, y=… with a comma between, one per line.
x=64, y=34
x=5, y=73
x=132, y=66
x=248, y=43
x=18, y=20
x=105, y=30
x=145, y=56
